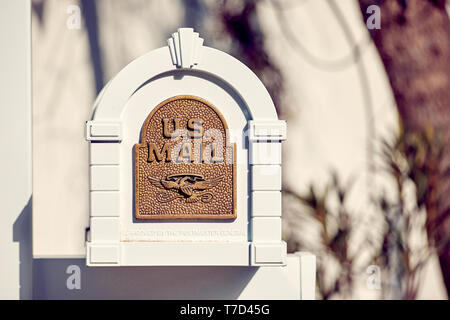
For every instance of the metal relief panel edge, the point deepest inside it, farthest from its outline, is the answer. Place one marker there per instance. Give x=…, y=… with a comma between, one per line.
x=184, y=166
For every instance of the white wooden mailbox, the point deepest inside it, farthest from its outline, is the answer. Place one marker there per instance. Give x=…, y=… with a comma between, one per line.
x=185, y=163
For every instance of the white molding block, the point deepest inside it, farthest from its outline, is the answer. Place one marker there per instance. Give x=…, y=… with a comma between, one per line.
x=106, y=254
x=105, y=178
x=185, y=48
x=274, y=283
x=266, y=204
x=266, y=177
x=104, y=153
x=269, y=253
x=105, y=229
x=307, y=275
x=103, y=131
x=105, y=203
x=266, y=229
x=267, y=130
x=265, y=152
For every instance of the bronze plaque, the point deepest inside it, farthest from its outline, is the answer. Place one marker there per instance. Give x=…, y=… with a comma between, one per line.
x=184, y=167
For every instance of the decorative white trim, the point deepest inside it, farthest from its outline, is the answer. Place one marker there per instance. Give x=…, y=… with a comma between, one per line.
x=266, y=203
x=104, y=203
x=105, y=229
x=265, y=177
x=270, y=253
x=104, y=153
x=175, y=253
x=112, y=100
x=266, y=229
x=267, y=130
x=105, y=178
x=262, y=152
x=184, y=51
x=103, y=131
x=185, y=48
x=103, y=254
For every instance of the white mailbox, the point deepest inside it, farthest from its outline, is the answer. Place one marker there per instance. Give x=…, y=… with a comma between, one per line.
x=185, y=163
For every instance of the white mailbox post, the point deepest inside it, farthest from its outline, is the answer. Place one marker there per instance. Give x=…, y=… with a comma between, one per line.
x=186, y=80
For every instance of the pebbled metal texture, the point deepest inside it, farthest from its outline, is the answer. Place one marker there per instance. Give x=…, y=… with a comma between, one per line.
x=184, y=166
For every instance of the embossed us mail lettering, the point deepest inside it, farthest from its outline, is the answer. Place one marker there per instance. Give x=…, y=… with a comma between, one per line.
x=184, y=166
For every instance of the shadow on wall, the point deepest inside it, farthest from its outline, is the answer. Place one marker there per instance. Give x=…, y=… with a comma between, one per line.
x=50, y=280
x=47, y=278
x=22, y=234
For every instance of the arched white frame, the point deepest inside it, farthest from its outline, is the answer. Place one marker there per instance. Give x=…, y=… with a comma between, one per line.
x=217, y=63
x=185, y=51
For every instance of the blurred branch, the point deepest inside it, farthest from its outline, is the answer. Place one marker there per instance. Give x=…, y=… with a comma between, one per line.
x=89, y=9
x=413, y=157
x=411, y=161
x=335, y=65
x=335, y=228
x=241, y=22
x=352, y=59
x=38, y=7
x=414, y=45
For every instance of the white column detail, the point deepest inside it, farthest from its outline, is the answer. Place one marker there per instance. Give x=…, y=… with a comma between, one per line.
x=265, y=137
x=104, y=235
x=185, y=47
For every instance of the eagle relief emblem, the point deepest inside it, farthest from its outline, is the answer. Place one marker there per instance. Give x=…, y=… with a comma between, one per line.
x=191, y=187
x=184, y=164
